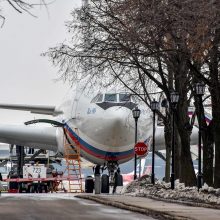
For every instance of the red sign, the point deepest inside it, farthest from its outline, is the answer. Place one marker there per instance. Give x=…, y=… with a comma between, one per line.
x=140, y=148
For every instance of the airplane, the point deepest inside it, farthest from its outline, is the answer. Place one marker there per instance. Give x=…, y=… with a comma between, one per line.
x=105, y=128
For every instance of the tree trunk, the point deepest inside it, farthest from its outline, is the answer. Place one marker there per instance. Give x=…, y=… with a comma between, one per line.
x=216, y=120
x=187, y=173
x=216, y=126
x=215, y=95
x=208, y=163
x=208, y=155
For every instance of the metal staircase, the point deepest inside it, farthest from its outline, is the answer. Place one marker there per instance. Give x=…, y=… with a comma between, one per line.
x=73, y=166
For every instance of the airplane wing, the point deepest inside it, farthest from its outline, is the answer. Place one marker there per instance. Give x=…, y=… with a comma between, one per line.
x=31, y=136
x=38, y=109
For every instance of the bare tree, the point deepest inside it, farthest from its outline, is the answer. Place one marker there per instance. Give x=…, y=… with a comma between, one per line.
x=203, y=48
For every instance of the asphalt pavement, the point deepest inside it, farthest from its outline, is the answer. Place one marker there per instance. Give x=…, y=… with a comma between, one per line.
x=59, y=206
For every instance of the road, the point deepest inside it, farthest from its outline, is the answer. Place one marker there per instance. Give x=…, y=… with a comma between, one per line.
x=57, y=207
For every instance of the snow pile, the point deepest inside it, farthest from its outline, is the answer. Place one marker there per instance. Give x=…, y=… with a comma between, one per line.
x=143, y=187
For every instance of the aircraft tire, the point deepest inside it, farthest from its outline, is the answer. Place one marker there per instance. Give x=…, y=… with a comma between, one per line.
x=105, y=183
x=89, y=184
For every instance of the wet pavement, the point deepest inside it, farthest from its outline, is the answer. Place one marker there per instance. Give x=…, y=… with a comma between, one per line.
x=59, y=206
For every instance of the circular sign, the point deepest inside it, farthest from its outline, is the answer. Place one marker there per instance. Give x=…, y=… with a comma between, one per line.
x=140, y=148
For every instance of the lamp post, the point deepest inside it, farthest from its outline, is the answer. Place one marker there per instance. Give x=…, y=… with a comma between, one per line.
x=200, y=90
x=136, y=114
x=174, y=98
x=154, y=105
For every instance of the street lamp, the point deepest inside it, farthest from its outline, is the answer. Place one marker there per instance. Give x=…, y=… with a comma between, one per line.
x=174, y=98
x=200, y=90
x=154, y=105
x=136, y=114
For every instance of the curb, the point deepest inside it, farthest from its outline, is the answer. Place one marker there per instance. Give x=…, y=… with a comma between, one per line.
x=123, y=205
x=182, y=202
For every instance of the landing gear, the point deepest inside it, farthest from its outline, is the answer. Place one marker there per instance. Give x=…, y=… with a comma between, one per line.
x=116, y=178
x=102, y=184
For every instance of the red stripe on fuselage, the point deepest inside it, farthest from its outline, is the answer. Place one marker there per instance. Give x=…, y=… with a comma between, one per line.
x=98, y=155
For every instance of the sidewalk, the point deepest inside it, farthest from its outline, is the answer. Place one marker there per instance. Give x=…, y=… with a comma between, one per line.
x=155, y=208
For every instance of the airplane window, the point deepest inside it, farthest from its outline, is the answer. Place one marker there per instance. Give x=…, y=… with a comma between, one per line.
x=124, y=97
x=100, y=97
x=97, y=98
x=110, y=98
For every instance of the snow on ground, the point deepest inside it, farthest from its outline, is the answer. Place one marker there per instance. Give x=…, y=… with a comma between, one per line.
x=162, y=190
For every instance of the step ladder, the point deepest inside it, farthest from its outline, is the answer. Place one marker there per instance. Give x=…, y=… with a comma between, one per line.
x=73, y=163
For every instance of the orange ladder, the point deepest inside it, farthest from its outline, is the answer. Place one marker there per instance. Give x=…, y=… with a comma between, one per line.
x=73, y=163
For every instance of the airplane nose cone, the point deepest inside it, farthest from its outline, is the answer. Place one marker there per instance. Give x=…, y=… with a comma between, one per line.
x=116, y=126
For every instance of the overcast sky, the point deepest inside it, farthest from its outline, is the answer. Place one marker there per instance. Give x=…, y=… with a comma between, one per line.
x=25, y=76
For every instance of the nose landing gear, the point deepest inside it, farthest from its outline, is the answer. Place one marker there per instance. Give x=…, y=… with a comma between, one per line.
x=103, y=184
x=114, y=178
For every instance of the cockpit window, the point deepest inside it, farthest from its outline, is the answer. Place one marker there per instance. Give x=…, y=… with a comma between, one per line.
x=108, y=100
x=97, y=98
x=100, y=97
x=110, y=97
x=124, y=97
